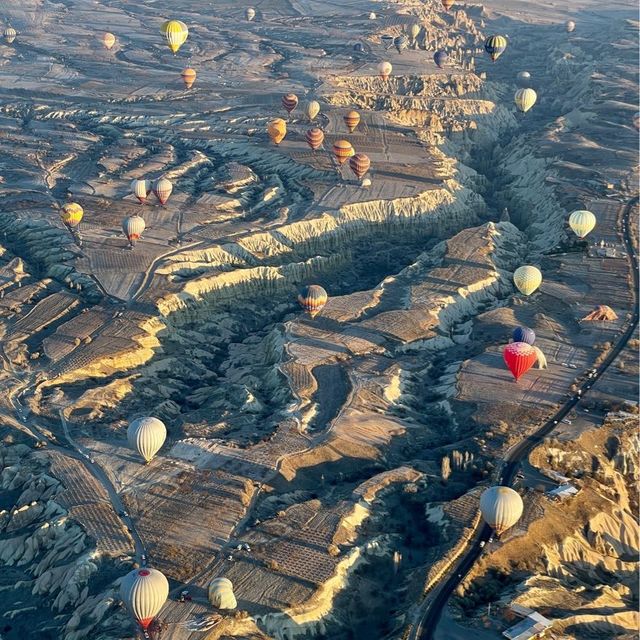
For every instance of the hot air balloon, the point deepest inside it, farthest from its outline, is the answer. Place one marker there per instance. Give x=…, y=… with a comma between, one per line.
x=221, y=594
x=250, y=14
x=385, y=69
x=352, y=120
x=447, y=4
x=636, y=120
x=401, y=42
x=312, y=299
x=162, y=188
x=342, y=150
x=176, y=33
x=527, y=279
x=313, y=109
x=414, y=30
x=133, y=227
x=570, y=26
x=359, y=47
x=9, y=34
x=519, y=357
x=188, y=77
x=359, y=164
x=540, y=358
x=524, y=334
x=315, y=138
x=277, y=130
x=440, y=58
x=602, y=313
x=290, y=102
x=372, y=16
x=146, y=435
x=523, y=78
x=501, y=508
x=140, y=189
x=71, y=214
x=108, y=40
x=144, y=592
x=582, y=222
x=525, y=99
x=495, y=46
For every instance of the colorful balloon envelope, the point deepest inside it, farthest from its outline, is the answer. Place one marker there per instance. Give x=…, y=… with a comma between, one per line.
x=312, y=110
x=315, y=138
x=495, y=46
x=359, y=164
x=188, y=77
x=570, y=26
x=290, y=102
x=108, y=40
x=501, y=508
x=527, y=279
x=313, y=299
x=524, y=334
x=133, y=227
x=250, y=14
x=144, y=592
x=176, y=33
x=9, y=34
x=440, y=58
x=342, y=150
x=519, y=357
x=277, y=130
x=384, y=70
x=71, y=214
x=447, y=4
x=582, y=222
x=163, y=188
x=525, y=99
x=352, y=120
x=146, y=436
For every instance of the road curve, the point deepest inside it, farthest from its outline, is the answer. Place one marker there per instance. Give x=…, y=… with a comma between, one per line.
x=431, y=610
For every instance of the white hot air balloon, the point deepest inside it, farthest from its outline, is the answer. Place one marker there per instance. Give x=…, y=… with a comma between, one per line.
x=582, y=222
x=250, y=14
x=525, y=99
x=541, y=358
x=501, y=508
x=133, y=227
x=163, y=189
x=146, y=435
x=384, y=69
x=221, y=594
x=144, y=592
x=140, y=189
x=312, y=110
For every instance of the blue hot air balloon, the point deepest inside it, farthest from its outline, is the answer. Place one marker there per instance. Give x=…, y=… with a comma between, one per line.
x=524, y=334
x=440, y=58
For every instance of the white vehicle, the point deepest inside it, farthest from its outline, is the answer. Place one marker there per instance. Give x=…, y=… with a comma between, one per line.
x=482, y=543
x=572, y=366
x=566, y=421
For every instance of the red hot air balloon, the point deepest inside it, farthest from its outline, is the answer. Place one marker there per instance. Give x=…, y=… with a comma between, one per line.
x=519, y=357
x=359, y=164
x=315, y=138
x=290, y=102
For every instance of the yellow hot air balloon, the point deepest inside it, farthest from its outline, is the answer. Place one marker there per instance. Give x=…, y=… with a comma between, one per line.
x=10, y=34
x=108, y=40
x=582, y=222
x=525, y=99
x=71, y=214
x=343, y=150
x=277, y=130
x=176, y=33
x=313, y=109
x=527, y=279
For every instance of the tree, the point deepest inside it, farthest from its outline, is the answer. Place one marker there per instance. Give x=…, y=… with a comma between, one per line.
x=445, y=468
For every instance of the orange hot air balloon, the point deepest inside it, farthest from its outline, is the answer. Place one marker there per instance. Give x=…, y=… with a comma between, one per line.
x=108, y=40
x=188, y=77
x=447, y=4
x=352, y=120
x=277, y=130
x=290, y=102
x=313, y=299
x=315, y=138
x=519, y=357
x=384, y=70
x=342, y=150
x=359, y=164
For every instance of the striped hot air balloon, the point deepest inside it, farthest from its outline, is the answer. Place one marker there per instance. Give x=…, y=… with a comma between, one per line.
x=582, y=222
x=188, y=77
x=501, y=508
x=525, y=99
x=176, y=33
x=401, y=42
x=495, y=46
x=352, y=120
x=342, y=150
x=9, y=34
x=313, y=299
x=141, y=189
x=527, y=279
x=359, y=164
x=144, y=592
x=519, y=357
x=277, y=130
x=221, y=594
x=133, y=227
x=384, y=70
x=290, y=102
x=71, y=214
x=162, y=189
x=315, y=138
x=146, y=435
x=108, y=40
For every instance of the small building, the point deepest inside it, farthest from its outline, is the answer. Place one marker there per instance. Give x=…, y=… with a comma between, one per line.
x=554, y=475
x=533, y=626
x=562, y=491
